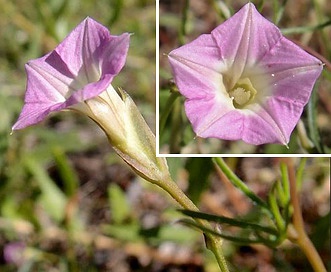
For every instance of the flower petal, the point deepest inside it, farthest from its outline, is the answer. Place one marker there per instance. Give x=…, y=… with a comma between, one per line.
x=90, y=50
x=220, y=121
x=113, y=56
x=292, y=78
x=195, y=67
x=244, y=39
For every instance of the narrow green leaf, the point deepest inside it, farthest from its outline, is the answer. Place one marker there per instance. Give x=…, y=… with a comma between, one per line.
x=285, y=180
x=229, y=221
x=236, y=239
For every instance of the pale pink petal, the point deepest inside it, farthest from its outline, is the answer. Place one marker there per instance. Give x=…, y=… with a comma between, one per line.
x=244, y=39
x=221, y=121
x=195, y=67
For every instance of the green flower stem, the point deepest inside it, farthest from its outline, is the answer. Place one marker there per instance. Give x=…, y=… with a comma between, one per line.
x=239, y=184
x=297, y=234
x=213, y=243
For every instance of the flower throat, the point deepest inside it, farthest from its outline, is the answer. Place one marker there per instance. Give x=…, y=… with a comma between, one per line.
x=242, y=94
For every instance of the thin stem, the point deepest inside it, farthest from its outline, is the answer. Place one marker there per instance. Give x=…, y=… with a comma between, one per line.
x=300, y=237
x=213, y=243
x=239, y=183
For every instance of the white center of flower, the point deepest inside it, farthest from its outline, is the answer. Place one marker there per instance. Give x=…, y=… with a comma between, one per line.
x=242, y=93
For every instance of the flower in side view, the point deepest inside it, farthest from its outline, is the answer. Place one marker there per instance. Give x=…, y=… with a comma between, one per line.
x=79, y=68
x=244, y=80
x=77, y=75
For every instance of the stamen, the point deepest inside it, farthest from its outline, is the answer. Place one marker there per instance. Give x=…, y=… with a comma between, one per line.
x=242, y=93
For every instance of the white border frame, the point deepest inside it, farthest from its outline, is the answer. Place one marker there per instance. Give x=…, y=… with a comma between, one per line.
x=157, y=108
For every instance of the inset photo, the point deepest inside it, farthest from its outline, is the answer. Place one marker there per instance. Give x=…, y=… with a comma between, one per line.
x=244, y=78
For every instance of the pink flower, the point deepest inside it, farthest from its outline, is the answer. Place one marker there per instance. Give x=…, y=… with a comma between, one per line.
x=244, y=80
x=79, y=68
x=77, y=75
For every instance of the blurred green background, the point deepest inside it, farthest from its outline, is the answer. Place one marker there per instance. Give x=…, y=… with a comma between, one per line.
x=202, y=17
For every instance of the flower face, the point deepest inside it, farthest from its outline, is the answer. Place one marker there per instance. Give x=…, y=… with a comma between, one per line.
x=244, y=80
x=79, y=68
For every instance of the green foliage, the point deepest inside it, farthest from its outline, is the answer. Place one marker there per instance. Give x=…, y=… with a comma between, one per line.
x=270, y=222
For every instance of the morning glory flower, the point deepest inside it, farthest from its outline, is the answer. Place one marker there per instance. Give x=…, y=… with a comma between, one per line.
x=79, y=68
x=244, y=81
x=77, y=76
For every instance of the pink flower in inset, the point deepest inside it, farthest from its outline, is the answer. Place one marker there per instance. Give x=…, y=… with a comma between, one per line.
x=244, y=80
x=79, y=68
